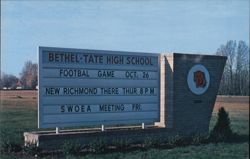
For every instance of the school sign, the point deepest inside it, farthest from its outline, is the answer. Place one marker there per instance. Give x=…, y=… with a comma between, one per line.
x=167, y=94
x=90, y=87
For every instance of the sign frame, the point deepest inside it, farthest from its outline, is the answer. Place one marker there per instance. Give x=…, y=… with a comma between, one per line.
x=87, y=51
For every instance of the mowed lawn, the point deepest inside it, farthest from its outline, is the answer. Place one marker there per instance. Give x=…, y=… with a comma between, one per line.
x=18, y=113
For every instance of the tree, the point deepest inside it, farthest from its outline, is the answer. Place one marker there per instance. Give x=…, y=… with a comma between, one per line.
x=29, y=75
x=8, y=80
x=235, y=78
x=242, y=69
x=222, y=130
x=1, y=81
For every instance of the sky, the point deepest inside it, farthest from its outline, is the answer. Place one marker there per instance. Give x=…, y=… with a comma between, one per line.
x=193, y=26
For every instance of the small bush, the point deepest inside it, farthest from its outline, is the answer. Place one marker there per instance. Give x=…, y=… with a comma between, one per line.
x=222, y=131
x=9, y=143
x=10, y=147
x=98, y=145
x=71, y=148
x=176, y=141
x=32, y=150
x=200, y=139
x=151, y=141
x=122, y=144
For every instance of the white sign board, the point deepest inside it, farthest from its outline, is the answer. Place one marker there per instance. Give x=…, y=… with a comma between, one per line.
x=92, y=87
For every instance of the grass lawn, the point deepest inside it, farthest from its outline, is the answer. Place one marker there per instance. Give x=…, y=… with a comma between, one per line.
x=16, y=117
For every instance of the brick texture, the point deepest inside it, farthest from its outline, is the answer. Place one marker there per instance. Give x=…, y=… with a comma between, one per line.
x=189, y=116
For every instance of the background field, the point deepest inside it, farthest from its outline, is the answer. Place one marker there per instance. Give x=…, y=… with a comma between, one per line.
x=18, y=113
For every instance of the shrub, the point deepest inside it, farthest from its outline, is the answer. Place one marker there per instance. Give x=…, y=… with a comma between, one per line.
x=32, y=150
x=10, y=147
x=176, y=141
x=122, y=144
x=151, y=141
x=9, y=142
x=200, y=139
x=71, y=148
x=98, y=145
x=222, y=130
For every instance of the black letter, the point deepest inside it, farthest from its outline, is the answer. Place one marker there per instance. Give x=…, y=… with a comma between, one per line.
x=62, y=109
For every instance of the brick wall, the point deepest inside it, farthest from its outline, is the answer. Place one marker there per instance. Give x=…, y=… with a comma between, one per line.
x=190, y=116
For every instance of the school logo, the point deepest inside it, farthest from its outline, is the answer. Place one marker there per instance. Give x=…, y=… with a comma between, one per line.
x=198, y=79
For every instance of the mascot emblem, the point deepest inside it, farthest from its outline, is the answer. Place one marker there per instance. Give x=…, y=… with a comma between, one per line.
x=198, y=79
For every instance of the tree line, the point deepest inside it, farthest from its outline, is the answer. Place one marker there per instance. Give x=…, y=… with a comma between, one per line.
x=27, y=80
x=235, y=78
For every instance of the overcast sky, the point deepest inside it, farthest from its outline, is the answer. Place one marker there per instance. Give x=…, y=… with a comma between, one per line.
x=199, y=26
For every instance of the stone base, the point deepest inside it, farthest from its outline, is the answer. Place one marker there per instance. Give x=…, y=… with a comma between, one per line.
x=52, y=141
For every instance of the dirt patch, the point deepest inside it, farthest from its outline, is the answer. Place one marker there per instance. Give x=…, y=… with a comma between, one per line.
x=233, y=104
x=18, y=99
x=28, y=99
x=233, y=99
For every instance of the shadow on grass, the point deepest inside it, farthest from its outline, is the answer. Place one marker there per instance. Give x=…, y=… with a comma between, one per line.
x=141, y=147
x=240, y=138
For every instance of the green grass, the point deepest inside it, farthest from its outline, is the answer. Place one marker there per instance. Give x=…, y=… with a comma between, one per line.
x=239, y=122
x=215, y=151
x=12, y=125
x=14, y=122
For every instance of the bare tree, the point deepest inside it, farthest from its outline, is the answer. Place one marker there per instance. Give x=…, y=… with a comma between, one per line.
x=235, y=79
x=242, y=69
x=1, y=80
x=8, y=81
x=29, y=75
x=227, y=78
